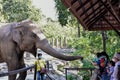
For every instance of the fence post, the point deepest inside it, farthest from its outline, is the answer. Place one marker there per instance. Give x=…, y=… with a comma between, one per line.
x=35, y=70
x=47, y=62
x=66, y=73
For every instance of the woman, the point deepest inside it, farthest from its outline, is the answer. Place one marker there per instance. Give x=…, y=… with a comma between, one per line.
x=101, y=62
x=40, y=65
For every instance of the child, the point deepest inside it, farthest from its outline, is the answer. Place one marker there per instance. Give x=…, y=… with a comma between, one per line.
x=111, y=69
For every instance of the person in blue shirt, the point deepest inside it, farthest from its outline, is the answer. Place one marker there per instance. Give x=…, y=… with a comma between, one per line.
x=101, y=61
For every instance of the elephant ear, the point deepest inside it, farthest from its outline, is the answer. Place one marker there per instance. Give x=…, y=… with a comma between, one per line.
x=17, y=36
x=20, y=28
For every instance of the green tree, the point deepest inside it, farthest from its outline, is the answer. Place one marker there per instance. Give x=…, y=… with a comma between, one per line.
x=54, y=29
x=17, y=10
x=64, y=15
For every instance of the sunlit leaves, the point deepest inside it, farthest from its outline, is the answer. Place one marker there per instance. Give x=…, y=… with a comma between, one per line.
x=54, y=29
x=17, y=10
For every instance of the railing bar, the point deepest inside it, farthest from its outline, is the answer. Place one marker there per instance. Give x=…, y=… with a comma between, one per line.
x=16, y=71
x=78, y=69
x=49, y=77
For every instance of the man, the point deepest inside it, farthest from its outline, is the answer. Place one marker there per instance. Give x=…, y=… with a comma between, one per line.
x=41, y=67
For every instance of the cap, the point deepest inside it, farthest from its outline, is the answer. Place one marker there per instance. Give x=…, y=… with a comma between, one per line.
x=116, y=55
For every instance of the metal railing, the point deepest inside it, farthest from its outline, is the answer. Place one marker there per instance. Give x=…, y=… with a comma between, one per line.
x=21, y=70
x=18, y=71
x=77, y=69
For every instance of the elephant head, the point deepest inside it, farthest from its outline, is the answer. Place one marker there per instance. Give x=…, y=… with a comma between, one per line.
x=27, y=40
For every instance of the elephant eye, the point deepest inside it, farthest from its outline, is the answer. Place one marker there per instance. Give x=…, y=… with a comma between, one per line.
x=33, y=35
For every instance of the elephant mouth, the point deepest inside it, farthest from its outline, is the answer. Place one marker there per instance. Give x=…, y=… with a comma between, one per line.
x=33, y=51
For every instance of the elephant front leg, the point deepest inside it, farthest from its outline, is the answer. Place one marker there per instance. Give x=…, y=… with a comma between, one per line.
x=12, y=77
x=12, y=68
x=22, y=75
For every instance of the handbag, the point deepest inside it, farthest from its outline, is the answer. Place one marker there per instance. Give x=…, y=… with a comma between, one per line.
x=43, y=71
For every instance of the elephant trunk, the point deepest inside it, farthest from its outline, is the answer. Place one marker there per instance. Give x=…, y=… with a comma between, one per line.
x=45, y=46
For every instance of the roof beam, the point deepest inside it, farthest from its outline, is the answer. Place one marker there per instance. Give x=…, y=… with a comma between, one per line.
x=94, y=16
x=90, y=7
x=92, y=13
x=113, y=13
x=112, y=26
x=102, y=28
x=69, y=6
x=91, y=2
x=96, y=19
x=72, y=2
x=82, y=5
x=83, y=8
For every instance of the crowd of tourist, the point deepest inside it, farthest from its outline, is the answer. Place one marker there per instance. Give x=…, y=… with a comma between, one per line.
x=107, y=69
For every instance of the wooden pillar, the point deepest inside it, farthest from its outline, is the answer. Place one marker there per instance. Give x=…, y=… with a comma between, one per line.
x=104, y=36
x=78, y=29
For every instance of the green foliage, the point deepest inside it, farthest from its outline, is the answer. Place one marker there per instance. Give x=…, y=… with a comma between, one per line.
x=17, y=10
x=60, y=68
x=91, y=42
x=55, y=30
x=71, y=77
x=88, y=43
x=113, y=43
x=64, y=16
x=85, y=74
x=76, y=63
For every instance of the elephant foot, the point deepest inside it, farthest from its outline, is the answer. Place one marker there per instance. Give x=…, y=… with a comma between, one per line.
x=22, y=76
x=20, y=79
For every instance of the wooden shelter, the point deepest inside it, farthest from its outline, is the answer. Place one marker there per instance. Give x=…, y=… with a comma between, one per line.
x=96, y=15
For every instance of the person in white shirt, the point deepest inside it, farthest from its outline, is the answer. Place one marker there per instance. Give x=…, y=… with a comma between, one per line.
x=116, y=59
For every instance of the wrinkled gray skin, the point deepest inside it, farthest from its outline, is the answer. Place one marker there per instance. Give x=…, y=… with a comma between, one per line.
x=18, y=37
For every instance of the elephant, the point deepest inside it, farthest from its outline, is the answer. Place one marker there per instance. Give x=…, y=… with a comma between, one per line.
x=18, y=37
